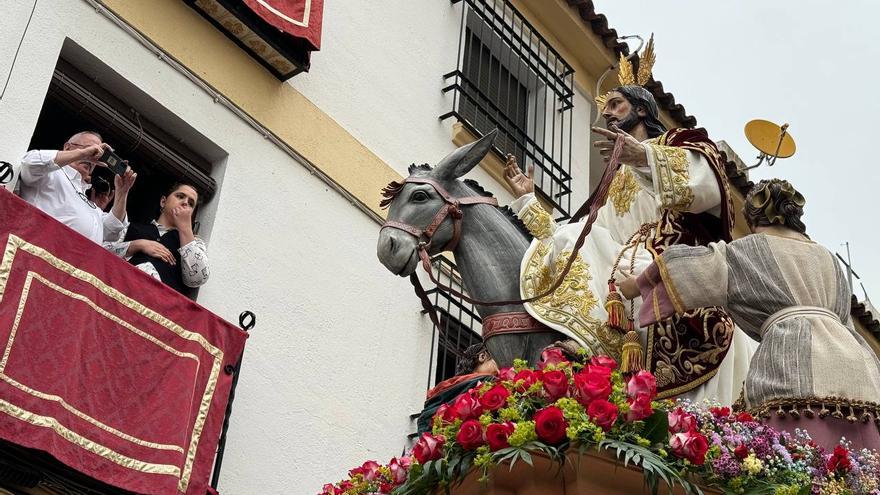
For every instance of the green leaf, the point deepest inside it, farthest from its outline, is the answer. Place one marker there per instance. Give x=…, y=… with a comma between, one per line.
x=657, y=427
x=527, y=458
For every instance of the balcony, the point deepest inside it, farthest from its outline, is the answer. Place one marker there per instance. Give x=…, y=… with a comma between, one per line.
x=110, y=382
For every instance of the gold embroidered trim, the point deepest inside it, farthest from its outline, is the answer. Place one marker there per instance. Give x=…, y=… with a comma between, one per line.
x=14, y=243
x=571, y=304
x=86, y=444
x=671, y=291
x=623, y=190
x=538, y=221
x=54, y=398
x=672, y=177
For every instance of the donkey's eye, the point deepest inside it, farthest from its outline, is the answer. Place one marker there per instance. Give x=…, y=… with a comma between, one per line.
x=419, y=196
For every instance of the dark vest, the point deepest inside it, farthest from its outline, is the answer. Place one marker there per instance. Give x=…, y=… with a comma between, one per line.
x=171, y=275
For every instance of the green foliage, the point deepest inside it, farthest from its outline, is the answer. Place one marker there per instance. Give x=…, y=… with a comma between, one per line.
x=654, y=467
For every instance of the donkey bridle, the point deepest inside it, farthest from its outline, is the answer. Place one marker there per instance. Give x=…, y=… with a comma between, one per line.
x=451, y=208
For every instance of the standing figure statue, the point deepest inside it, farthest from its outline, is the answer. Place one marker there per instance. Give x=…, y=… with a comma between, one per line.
x=670, y=189
x=812, y=370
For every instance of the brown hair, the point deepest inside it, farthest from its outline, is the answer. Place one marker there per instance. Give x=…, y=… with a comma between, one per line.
x=775, y=202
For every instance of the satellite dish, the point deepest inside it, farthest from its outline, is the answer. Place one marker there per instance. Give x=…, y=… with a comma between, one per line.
x=771, y=140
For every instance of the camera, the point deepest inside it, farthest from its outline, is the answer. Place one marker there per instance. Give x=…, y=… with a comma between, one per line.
x=114, y=162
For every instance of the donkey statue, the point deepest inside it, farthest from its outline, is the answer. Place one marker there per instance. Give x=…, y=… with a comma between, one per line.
x=488, y=243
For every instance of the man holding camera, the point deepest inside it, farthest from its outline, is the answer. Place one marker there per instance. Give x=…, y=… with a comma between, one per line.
x=56, y=182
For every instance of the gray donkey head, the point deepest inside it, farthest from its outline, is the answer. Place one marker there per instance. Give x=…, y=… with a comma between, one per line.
x=417, y=204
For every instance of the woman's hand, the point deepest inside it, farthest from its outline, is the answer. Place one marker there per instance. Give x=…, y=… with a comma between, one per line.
x=152, y=248
x=629, y=288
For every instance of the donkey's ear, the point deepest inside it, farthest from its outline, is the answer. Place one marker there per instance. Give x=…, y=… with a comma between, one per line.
x=462, y=160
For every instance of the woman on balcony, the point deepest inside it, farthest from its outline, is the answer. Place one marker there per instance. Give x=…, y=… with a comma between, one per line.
x=812, y=370
x=166, y=248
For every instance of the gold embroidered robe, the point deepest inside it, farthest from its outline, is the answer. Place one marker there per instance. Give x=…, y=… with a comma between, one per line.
x=678, y=183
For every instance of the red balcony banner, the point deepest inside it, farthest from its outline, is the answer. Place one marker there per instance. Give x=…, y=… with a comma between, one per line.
x=108, y=370
x=300, y=18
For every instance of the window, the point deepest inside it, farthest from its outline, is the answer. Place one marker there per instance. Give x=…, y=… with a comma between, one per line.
x=508, y=77
x=459, y=323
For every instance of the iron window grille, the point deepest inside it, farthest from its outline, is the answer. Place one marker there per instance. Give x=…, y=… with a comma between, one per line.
x=508, y=77
x=460, y=325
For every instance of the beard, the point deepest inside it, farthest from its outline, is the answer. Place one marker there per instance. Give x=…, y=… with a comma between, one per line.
x=628, y=123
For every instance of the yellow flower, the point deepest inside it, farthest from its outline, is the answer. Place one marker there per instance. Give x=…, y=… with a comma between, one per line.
x=752, y=464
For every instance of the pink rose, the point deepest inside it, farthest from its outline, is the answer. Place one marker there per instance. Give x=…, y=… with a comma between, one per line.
x=640, y=383
x=639, y=408
x=604, y=361
x=552, y=356
x=555, y=384
x=495, y=398
x=506, y=374
x=690, y=445
x=602, y=413
x=550, y=425
x=528, y=378
x=467, y=406
x=592, y=385
x=400, y=469
x=470, y=434
x=369, y=469
x=680, y=421
x=329, y=489
x=428, y=448
x=497, y=435
x=598, y=369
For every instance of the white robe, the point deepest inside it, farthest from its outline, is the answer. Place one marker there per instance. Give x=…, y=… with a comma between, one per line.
x=675, y=179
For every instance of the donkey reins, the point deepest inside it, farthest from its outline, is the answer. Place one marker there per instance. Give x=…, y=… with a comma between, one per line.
x=452, y=207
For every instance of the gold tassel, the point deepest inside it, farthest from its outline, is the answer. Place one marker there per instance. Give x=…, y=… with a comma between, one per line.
x=631, y=355
x=615, y=308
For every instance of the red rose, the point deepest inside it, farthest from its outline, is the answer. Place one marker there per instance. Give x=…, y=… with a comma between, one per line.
x=506, y=374
x=602, y=413
x=528, y=378
x=552, y=356
x=467, y=405
x=399, y=469
x=745, y=417
x=470, y=434
x=595, y=368
x=680, y=421
x=495, y=398
x=720, y=412
x=604, y=361
x=369, y=469
x=690, y=445
x=839, y=460
x=550, y=425
x=497, y=435
x=639, y=408
x=428, y=448
x=385, y=487
x=592, y=385
x=445, y=414
x=741, y=452
x=555, y=384
x=641, y=383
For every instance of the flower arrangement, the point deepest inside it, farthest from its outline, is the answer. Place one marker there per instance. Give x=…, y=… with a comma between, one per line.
x=565, y=406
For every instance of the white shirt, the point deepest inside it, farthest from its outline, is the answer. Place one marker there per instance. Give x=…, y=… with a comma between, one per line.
x=193, y=258
x=56, y=190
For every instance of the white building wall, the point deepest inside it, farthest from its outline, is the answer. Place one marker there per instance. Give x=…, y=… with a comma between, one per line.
x=338, y=359
x=379, y=74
